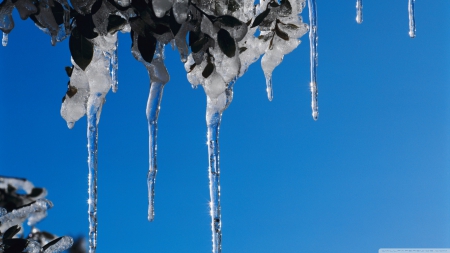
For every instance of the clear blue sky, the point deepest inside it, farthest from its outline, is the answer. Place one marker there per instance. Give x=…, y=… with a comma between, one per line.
x=373, y=172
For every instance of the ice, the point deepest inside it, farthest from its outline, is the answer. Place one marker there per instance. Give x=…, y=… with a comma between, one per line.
x=180, y=10
x=33, y=247
x=3, y=211
x=359, y=11
x=123, y=3
x=6, y=20
x=34, y=212
x=114, y=68
x=412, y=20
x=64, y=243
x=313, y=57
x=160, y=7
x=5, y=39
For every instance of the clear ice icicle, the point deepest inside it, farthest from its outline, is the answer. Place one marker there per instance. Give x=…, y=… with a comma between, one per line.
x=269, y=87
x=359, y=11
x=214, y=109
x=5, y=39
x=313, y=57
x=95, y=103
x=412, y=19
x=114, y=68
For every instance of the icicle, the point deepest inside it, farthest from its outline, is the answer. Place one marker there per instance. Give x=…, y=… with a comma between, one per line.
x=412, y=20
x=114, y=68
x=359, y=11
x=95, y=103
x=5, y=39
x=214, y=109
x=313, y=57
x=269, y=87
x=158, y=78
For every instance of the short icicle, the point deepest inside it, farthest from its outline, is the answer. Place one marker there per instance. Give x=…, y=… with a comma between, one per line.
x=93, y=114
x=214, y=109
x=158, y=78
x=313, y=57
x=5, y=39
x=359, y=11
x=269, y=89
x=114, y=68
x=412, y=19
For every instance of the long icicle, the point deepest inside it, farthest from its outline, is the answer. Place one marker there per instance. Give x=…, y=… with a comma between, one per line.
x=214, y=109
x=93, y=113
x=114, y=67
x=313, y=57
x=412, y=19
x=359, y=11
x=153, y=105
x=158, y=78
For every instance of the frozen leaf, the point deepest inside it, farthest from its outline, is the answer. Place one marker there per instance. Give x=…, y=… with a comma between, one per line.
x=198, y=45
x=51, y=243
x=209, y=68
x=285, y=8
x=233, y=5
x=281, y=34
x=226, y=43
x=81, y=49
x=242, y=49
x=86, y=26
x=10, y=232
x=25, y=8
x=229, y=21
x=15, y=245
x=260, y=17
x=115, y=23
x=147, y=47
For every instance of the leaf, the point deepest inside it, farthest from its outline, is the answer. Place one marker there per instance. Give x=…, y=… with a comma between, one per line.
x=292, y=26
x=193, y=37
x=138, y=25
x=242, y=49
x=69, y=70
x=198, y=45
x=10, y=232
x=160, y=29
x=281, y=34
x=192, y=67
x=209, y=68
x=86, y=26
x=147, y=46
x=233, y=5
x=115, y=23
x=229, y=21
x=71, y=90
x=37, y=191
x=274, y=4
x=15, y=245
x=260, y=17
x=51, y=243
x=58, y=12
x=226, y=43
x=174, y=26
x=285, y=7
x=82, y=50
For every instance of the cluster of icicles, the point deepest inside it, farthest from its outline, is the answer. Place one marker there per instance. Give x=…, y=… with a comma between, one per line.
x=94, y=82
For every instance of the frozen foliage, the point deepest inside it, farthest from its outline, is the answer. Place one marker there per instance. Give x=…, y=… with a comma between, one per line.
x=217, y=41
x=13, y=213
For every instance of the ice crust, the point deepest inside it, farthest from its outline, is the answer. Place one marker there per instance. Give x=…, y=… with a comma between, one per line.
x=34, y=213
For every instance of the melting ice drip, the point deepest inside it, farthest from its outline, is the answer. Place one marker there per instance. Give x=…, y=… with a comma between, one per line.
x=313, y=57
x=5, y=39
x=412, y=20
x=359, y=11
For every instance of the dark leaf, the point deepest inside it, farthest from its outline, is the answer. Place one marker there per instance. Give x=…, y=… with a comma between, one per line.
x=281, y=34
x=25, y=8
x=260, y=17
x=147, y=47
x=71, y=90
x=86, y=26
x=192, y=67
x=51, y=243
x=285, y=7
x=115, y=23
x=81, y=49
x=198, y=45
x=138, y=25
x=193, y=37
x=174, y=26
x=248, y=22
x=160, y=29
x=271, y=43
x=38, y=191
x=83, y=7
x=58, y=12
x=10, y=232
x=229, y=21
x=208, y=69
x=242, y=49
x=69, y=71
x=274, y=4
x=15, y=245
x=96, y=6
x=226, y=43
x=292, y=26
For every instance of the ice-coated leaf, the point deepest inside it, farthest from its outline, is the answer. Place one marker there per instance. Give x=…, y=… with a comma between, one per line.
x=115, y=23
x=83, y=6
x=58, y=12
x=174, y=26
x=260, y=17
x=229, y=21
x=36, y=191
x=208, y=70
x=281, y=34
x=25, y=8
x=10, y=232
x=285, y=8
x=233, y=5
x=82, y=50
x=86, y=26
x=71, y=90
x=198, y=45
x=15, y=245
x=226, y=43
x=147, y=47
x=242, y=49
x=192, y=67
x=69, y=71
x=51, y=243
x=138, y=25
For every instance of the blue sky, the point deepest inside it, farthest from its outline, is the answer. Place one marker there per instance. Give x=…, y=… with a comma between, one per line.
x=372, y=172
